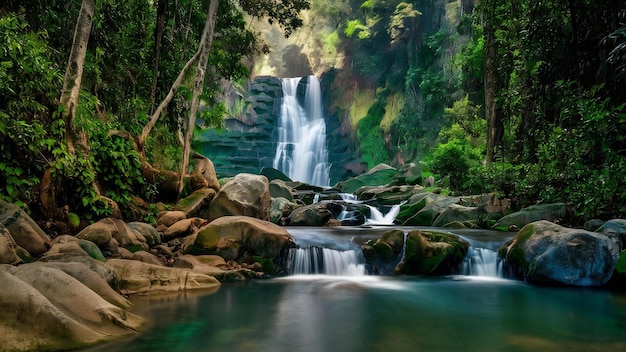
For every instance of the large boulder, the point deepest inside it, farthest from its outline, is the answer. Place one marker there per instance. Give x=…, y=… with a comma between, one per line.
x=106, y=229
x=24, y=230
x=137, y=277
x=432, y=253
x=555, y=212
x=243, y=239
x=244, y=194
x=544, y=252
x=44, y=308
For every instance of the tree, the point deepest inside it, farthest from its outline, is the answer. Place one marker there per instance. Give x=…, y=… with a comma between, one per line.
x=74, y=75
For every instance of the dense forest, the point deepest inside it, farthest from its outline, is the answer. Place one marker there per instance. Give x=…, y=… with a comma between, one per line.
x=526, y=98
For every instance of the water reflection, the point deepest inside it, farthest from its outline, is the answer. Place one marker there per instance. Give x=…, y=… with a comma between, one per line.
x=373, y=313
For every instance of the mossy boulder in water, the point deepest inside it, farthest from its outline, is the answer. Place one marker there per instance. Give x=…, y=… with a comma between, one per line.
x=241, y=238
x=383, y=254
x=424, y=208
x=432, y=253
x=547, y=253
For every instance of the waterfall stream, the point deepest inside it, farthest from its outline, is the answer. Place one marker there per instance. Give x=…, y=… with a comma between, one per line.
x=301, y=152
x=336, y=252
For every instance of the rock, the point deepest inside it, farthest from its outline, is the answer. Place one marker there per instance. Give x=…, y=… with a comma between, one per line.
x=193, y=204
x=169, y=218
x=316, y=214
x=387, y=195
x=204, y=167
x=614, y=227
x=146, y=257
x=456, y=212
x=43, y=308
x=278, y=188
x=183, y=228
x=152, y=236
x=544, y=252
x=104, y=271
x=244, y=194
x=273, y=174
x=423, y=208
x=408, y=174
x=432, y=253
x=100, y=232
x=383, y=254
x=555, y=212
x=380, y=175
x=138, y=277
x=593, y=224
x=215, y=266
x=66, y=244
x=242, y=238
x=8, y=254
x=280, y=209
x=89, y=278
x=26, y=233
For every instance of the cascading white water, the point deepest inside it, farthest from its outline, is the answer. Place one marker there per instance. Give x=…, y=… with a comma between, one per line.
x=377, y=218
x=481, y=262
x=316, y=260
x=301, y=152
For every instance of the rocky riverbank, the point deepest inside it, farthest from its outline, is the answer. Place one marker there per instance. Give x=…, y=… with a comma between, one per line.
x=71, y=291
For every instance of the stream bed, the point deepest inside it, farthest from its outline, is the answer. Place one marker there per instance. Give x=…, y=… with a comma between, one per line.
x=328, y=313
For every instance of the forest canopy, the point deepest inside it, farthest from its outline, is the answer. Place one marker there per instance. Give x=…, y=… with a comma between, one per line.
x=520, y=97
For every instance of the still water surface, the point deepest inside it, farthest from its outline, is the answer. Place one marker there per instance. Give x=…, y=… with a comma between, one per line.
x=378, y=313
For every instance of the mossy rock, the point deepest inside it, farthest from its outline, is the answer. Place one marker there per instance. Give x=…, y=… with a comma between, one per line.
x=432, y=253
x=550, y=212
x=377, y=176
x=547, y=253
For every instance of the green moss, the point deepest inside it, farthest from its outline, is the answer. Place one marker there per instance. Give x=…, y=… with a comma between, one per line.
x=92, y=250
x=266, y=263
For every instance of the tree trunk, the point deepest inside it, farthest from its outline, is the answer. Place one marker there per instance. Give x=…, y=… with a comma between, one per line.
x=206, y=42
x=494, y=121
x=74, y=75
x=158, y=36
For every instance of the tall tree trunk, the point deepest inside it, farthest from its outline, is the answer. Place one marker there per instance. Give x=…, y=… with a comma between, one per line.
x=158, y=37
x=494, y=120
x=74, y=75
x=206, y=42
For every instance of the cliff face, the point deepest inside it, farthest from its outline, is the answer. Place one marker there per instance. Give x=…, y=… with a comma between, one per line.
x=392, y=116
x=247, y=142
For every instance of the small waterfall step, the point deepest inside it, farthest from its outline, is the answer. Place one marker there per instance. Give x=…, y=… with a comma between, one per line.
x=482, y=262
x=320, y=260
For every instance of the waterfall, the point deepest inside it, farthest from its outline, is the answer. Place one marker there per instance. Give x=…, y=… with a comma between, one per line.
x=377, y=217
x=481, y=262
x=316, y=260
x=301, y=152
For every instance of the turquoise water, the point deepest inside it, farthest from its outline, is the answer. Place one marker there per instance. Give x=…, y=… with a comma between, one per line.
x=376, y=313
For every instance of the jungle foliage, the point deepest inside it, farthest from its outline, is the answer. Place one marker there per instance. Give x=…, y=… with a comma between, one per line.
x=135, y=52
x=527, y=97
